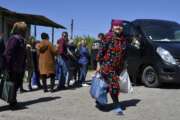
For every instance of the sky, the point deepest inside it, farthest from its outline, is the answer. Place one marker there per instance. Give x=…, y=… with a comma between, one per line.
x=94, y=16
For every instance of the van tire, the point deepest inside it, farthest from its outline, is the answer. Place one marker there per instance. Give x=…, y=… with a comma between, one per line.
x=149, y=77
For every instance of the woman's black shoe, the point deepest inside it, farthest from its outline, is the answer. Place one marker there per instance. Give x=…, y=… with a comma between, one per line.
x=45, y=90
x=23, y=90
x=13, y=105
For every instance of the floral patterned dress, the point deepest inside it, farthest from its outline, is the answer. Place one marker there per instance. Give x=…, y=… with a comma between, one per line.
x=111, y=57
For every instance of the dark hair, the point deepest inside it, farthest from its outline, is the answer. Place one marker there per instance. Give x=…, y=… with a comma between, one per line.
x=44, y=36
x=65, y=33
x=100, y=35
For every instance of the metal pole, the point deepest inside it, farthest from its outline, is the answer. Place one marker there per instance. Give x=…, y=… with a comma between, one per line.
x=52, y=35
x=35, y=31
x=72, y=27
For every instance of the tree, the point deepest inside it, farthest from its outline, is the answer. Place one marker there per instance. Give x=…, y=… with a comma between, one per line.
x=89, y=42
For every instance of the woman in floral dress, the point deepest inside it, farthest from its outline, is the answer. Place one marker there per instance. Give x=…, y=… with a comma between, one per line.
x=111, y=57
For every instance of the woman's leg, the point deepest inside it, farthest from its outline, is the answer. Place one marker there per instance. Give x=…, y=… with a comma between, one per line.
x=114, y=92
x=37, y=74
x=52, y=82
x=62, y=73
x=17, y=79
x=44, y=77
x=114, y=98
x=21, y=84
x=83, y=73
x=14, y=78
x=30, y=74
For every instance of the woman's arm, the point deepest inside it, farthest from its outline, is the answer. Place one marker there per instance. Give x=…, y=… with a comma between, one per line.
x=53, y=49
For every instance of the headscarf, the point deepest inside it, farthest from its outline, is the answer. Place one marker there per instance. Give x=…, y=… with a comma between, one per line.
x=114, y=22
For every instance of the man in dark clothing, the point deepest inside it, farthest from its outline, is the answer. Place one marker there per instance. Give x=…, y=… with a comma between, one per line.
x=62, y=58
x=95, y=49
x=15, y=57
x=73, y=61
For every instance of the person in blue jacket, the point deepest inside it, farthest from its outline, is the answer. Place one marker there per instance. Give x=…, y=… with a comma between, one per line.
x=83, y=61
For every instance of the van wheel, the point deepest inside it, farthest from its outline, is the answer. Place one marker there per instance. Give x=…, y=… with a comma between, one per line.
x=150, y=77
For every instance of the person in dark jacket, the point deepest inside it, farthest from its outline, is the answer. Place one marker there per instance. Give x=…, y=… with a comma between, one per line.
x=15, y=57
x=30, y=61
x=95, y=49
x=73, y=62
x=62, y=58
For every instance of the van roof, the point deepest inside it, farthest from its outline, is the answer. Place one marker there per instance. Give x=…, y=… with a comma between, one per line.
x=142, y=22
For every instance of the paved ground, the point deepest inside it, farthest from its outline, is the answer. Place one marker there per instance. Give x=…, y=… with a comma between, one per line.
x=76, y=104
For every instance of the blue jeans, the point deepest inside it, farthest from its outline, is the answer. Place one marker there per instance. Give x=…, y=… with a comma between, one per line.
x=83, y=73
x=58, y=71
x=36, y=78
x=63, y=71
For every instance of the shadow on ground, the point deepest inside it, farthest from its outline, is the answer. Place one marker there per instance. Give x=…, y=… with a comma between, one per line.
x=170, y=86
x=122, y=104
x=74, y=86
x=23, y=105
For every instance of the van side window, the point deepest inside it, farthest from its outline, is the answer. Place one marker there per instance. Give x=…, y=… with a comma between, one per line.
x=133, y=36
x=136, y=41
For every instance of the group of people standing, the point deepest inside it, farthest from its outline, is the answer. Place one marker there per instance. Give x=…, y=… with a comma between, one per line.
x=42, y=60
x=64, y=61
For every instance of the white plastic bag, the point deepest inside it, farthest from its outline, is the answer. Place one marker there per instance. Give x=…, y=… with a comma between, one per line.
x=125, y=83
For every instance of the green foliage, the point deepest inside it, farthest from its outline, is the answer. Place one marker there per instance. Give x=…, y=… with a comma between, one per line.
x=89, y=41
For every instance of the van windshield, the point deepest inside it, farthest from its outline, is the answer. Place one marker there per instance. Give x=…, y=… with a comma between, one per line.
x=165, y=31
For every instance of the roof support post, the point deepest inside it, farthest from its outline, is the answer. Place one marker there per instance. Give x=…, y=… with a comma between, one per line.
x=35, y=31
x=52, y=35
x=2, y=28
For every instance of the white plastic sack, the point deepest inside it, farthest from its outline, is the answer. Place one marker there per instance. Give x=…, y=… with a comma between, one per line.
x=125, y=83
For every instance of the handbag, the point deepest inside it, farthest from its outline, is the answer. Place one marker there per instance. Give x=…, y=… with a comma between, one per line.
x=98, y=89
x=7, y=89
x=125, y=83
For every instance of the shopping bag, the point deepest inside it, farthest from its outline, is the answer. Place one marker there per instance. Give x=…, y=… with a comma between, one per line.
x=98, y=89
x=7, y=92
x=125, y=83
x=7, y=89
x=1, y=86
